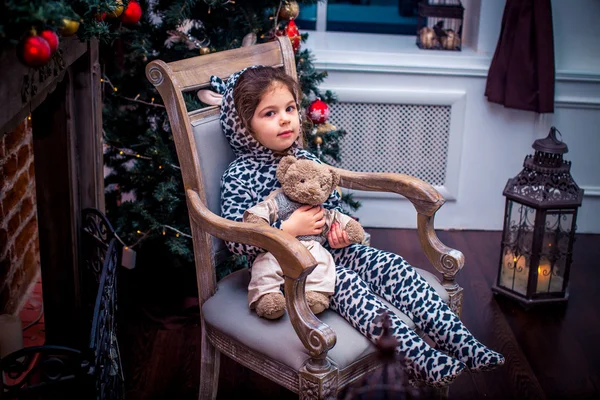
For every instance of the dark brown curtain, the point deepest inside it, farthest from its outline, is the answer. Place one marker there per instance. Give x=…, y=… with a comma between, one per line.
x=522, y=71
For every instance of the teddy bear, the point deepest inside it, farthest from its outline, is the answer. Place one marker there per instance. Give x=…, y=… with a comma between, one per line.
x=303, y=182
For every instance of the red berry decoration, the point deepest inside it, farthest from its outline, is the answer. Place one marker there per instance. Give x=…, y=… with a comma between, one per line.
x=132, y=14
x=101, y=17
x=318, y=111
x=291, y=30
x=34, y=51
x=51, y=38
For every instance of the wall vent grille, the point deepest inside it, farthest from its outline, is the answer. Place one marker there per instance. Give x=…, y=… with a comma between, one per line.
x=403, y=138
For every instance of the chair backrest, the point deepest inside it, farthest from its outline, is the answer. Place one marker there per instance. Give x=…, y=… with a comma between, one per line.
x=202, y=149
x=215, y=154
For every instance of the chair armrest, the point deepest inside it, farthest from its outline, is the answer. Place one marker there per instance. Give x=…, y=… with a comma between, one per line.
x=426, y=200
x=421, y=194
x=296, y=263
x=293, y=257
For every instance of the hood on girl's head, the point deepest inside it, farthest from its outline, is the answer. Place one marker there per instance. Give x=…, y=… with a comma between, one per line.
x=240, y=140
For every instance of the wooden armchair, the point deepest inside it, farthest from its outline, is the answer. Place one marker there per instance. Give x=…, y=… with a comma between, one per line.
x=296, y=351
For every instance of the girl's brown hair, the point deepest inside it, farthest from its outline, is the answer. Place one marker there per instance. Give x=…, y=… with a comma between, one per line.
x=253, y=84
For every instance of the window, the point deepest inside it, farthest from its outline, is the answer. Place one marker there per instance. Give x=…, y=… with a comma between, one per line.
x=397, y=17
x=307, y=19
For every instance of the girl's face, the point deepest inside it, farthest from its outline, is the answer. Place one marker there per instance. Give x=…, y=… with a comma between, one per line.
x=275, y=123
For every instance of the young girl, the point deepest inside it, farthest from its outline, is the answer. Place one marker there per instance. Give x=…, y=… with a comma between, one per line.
x=261, y=119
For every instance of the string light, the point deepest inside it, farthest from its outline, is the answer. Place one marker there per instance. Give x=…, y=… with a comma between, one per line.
x=177, y=231
x=137, y=155
x=178, y=234
x=136, y=99
x=29, y=117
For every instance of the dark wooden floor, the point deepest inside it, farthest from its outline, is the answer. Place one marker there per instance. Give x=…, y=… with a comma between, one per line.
x=551, y=352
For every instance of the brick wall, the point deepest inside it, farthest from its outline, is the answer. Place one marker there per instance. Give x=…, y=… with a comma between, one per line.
x=19, y=246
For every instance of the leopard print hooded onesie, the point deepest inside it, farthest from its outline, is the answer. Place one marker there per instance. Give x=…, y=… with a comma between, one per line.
x=361, y=271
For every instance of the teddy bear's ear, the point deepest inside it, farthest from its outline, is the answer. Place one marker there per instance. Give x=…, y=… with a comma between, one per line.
x=283, y=166
x=335, y=178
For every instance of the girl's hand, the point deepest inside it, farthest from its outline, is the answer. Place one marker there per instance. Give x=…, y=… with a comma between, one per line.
x=337, y=238
x=306, y=220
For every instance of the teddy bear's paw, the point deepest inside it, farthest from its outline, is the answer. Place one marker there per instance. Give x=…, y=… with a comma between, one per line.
x=356, y=233
x=271, y=306
x=317, y=301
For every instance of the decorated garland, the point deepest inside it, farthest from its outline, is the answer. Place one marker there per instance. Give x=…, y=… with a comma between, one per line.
x=34, y=28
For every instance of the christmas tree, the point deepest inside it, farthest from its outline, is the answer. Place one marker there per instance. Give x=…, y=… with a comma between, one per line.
x=140, y=151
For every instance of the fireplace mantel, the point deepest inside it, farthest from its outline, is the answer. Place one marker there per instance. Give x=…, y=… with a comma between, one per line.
x=65, y=105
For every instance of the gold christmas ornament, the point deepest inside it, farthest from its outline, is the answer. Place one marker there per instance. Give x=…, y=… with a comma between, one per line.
x=204, y=50
x=117, y=11
x=69, y=27
x=289, y=10
x=451, y=41
x=428, y=38
x=318, y=140
x=324, y=128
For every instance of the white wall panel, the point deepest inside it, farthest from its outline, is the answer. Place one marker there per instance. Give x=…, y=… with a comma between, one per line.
x=493, y=140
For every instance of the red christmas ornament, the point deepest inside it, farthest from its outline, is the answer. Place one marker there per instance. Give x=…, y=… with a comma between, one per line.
x=34, y=51
x=51, y=38
x=101, y=17
x=132, y=14
x=291, y=30
x=318, y=111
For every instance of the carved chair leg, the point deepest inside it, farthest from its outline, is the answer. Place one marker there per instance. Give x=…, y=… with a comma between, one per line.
x=210, y=360
x=456, y=294
x=318, y=385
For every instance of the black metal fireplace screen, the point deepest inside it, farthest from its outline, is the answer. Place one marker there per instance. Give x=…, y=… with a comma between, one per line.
x=94, y=370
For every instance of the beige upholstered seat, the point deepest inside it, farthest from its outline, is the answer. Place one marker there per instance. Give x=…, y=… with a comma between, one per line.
x=308, y=355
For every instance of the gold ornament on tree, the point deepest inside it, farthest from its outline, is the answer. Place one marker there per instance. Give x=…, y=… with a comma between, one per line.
x=318, y=140
x=117, y=11
x=289, y=10
x=69, y=27
x=325, y=128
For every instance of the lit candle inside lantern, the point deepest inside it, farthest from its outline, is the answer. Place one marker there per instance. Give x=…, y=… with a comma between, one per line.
x=515, y=272
x=547, y=281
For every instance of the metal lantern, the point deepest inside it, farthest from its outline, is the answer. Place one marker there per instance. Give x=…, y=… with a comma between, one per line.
x=539, y=226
